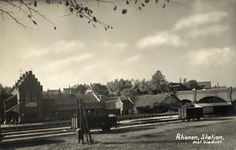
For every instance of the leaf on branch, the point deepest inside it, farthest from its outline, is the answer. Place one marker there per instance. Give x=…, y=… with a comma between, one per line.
x=105, y=28
x=168, y=1
x=136, y=1
x=146, y=1
x=29, y=16
x=71, y=9
x=143, y=5
x=60, y=2
x=34, y=22
x=77, y=7
x=156, y=1
x=89, y=22
x=81, y=16
x=115, y=8
x=86, y=9
x=35, y=3
x=55, y=28
x=140, y=8
x=164, y=6
x=80, y=11
x=67, y=3
x=127, y=2
x=94, y=26
x=94, y=19
x=124, y=11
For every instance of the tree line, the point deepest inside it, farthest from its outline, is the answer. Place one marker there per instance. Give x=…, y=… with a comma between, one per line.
x=128, y=88
x=158, y=84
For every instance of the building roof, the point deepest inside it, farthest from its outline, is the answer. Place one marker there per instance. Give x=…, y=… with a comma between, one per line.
x=69, y=100
x=15, y=108
x=205, y=84
x=126, y=101
x=12, y=97
x=111, y=104
x=45, y=95
x=63, y=98
x=150, y=100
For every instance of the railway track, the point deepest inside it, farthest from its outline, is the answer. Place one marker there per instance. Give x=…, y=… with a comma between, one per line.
x=34, y=132
x=14, y=136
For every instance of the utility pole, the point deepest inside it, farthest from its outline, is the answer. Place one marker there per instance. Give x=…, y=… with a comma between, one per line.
x=82, y=122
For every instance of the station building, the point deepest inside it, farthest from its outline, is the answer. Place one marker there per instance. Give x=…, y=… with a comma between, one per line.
x=29, y=103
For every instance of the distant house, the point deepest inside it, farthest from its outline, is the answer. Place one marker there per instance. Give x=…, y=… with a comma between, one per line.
x=77, y=89
x=175, y=87
x=204, y=85
x=157, y=103
x=100, y=89
x=57, y=106
x=125, y=105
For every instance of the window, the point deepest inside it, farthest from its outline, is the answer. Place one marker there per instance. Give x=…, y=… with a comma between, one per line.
x=34, y=97
x=35, y=115
x=27, y=97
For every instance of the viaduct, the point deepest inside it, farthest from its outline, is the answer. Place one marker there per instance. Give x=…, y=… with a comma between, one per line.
x=226, y=94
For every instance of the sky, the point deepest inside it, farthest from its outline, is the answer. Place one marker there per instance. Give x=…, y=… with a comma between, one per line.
x=192, y=39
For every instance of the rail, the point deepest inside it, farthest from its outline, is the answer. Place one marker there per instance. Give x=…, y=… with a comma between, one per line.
x=29, y=126
x=139, y=116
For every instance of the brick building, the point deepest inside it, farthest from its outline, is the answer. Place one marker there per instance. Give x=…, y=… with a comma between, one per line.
x=29, y=103
x=25, y=104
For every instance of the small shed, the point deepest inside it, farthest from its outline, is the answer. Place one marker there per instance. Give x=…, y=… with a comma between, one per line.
x=125, y=105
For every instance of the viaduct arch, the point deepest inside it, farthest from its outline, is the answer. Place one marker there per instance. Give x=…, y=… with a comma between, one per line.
x=226, y=94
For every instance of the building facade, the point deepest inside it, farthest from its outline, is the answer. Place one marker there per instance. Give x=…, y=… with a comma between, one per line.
x=28, y=102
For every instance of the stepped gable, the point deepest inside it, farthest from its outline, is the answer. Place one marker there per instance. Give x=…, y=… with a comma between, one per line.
x=26, y=81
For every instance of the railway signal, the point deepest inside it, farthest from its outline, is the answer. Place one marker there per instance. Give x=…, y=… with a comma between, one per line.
x=82, y=122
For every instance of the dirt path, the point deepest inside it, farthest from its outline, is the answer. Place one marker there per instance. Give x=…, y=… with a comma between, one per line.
x=221, y=134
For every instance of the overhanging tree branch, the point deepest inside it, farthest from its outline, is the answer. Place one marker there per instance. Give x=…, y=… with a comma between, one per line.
x=74, y=7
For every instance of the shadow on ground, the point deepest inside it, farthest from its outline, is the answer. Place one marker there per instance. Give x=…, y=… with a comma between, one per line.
x=28, y=143
x=148, y=141
x=124, y=130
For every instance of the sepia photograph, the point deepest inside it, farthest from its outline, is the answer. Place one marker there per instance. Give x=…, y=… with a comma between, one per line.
x=117, y=74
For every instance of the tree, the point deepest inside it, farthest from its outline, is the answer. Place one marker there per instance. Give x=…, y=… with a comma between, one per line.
x=158, y=83
x=192, y=84
x=80, y=8
x=81, y=89
x=184, y=81
x=144, y=86
x=100, y=89
x=5, y=90
x=127, y=93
